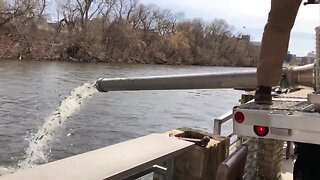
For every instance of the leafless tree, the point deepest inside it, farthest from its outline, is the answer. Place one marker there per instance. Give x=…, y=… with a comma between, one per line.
x=88, y=9
x=124, y=8
x=23, y=9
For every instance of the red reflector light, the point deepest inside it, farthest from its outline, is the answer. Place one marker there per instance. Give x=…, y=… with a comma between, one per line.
x=261, y=130
x=239, y=117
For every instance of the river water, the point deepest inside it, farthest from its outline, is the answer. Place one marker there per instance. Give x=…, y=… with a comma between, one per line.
x=31, y=90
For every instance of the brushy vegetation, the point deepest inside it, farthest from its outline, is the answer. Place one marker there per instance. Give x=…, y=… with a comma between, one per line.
x=117, y=31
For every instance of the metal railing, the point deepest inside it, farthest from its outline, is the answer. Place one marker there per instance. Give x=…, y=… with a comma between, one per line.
x=219, y=121
x=217, y=128
x=250, y=142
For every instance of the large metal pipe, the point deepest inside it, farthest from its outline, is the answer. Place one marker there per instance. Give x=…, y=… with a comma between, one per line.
x=241, y=80
x=293, y=77
x=296, y=76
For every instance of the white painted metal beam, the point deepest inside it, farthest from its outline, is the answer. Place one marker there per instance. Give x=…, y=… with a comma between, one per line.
x=112, y=162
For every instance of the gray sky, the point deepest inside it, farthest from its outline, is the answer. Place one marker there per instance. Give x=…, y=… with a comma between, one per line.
x=251, y=14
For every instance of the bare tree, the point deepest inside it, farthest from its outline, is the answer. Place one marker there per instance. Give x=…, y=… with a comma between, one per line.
x=88, y=9
x=23, y=9
x=105, y=12
x=82, y=10
x=124, y=8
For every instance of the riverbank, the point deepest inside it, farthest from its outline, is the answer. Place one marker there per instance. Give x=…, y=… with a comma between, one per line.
x=124, y=32
x=42, y=50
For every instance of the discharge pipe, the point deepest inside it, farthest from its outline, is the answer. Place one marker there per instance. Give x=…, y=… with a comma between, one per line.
x=245, y=80
x=292, y=76
x=295, y=76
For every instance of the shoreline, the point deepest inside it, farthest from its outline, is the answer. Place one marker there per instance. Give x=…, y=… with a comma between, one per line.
x=115, y=63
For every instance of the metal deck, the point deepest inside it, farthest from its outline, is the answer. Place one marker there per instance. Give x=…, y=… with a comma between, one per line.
x=288, y=104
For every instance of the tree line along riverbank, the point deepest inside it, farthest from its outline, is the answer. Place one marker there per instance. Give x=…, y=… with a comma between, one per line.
x=118, y=31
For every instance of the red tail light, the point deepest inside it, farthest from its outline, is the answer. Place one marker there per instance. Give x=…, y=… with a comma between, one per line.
x=261, y=130
x=238, y=117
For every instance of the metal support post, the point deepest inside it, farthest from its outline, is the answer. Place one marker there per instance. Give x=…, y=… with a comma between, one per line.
x=170, y=165
x=217, y=127
x=288, y=149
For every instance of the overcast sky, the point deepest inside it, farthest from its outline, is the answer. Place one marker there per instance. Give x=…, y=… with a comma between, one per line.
x=248, y=17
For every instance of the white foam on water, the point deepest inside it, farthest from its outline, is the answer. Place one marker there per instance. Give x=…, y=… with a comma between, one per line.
x=6, y=170
x=39, y=142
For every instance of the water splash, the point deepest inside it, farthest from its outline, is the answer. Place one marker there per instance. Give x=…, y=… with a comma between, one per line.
x=38, y=143
x=6, y=170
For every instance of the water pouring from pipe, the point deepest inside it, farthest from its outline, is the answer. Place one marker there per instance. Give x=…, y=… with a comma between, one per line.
x=39, y=143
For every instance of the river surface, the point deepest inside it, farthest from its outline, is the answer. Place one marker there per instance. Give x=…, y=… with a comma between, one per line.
x=31, y=90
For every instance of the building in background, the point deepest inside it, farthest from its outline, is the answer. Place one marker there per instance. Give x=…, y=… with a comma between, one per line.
x=292, y=59
x=317, y=42
x=312, y=54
